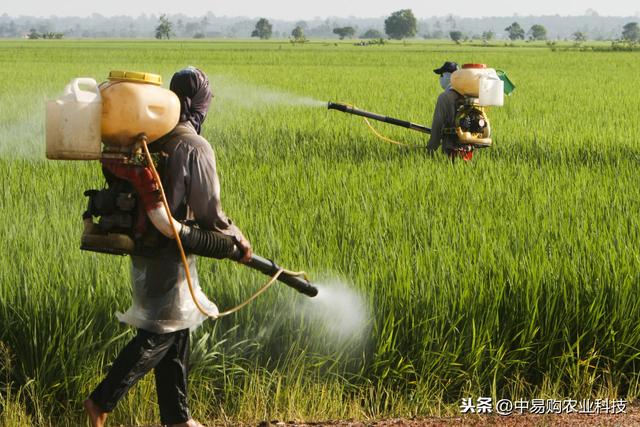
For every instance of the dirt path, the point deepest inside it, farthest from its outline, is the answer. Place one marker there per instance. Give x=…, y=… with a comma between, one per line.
x=630, y=419
x=622, y=420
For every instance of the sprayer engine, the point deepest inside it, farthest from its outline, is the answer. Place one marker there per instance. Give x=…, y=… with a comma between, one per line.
x=121, y=226
x=472, y=125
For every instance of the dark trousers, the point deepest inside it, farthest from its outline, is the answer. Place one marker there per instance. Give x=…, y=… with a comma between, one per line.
x=167, y=354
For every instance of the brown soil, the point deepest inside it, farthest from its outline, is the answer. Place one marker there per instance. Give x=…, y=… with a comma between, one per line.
x=630, y=419
x=574, y=420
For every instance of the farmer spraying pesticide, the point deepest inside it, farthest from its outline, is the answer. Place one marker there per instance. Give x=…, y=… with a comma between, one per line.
x=161, y=205
x=460, y=122
x=442, y=125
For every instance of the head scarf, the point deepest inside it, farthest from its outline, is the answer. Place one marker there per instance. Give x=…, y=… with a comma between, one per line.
x=445, y=80
x=192, y=87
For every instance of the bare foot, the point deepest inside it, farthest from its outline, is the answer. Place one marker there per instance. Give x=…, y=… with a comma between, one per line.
x=96, y=415
x=190, y=423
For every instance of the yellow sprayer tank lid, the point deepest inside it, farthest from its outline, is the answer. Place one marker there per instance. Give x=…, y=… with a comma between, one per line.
x=135, y=77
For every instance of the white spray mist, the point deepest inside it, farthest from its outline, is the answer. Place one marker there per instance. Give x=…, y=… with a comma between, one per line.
x=338, y=314
x=23, y=138
x=250, y=96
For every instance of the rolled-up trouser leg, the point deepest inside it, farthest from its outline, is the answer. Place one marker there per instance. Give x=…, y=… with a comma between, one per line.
x=137, y=358
x=171, y=381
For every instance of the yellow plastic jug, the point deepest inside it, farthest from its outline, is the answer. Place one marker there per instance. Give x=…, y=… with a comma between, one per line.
x=466, y=81
x=73, y=122
x=135, y=103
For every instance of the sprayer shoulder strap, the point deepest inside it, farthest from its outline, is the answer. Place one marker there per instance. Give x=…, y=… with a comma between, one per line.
x=460, y=105
x=162, y=159
x=173, y=149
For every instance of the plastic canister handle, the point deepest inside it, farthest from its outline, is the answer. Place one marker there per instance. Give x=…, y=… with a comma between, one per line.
x=81, y=95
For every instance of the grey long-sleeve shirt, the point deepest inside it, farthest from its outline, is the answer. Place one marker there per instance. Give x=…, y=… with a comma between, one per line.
x=443, y=118
x=161, y=299
x=190, y=180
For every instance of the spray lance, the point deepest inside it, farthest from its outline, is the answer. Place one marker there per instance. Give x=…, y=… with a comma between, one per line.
x=94, y=122
x=369, y=115
x=472, y=124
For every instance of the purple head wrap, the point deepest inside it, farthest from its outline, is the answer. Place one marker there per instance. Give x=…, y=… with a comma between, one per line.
x=192, y=87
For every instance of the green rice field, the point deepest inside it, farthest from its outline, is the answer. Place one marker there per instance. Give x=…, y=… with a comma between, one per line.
x=513, y=276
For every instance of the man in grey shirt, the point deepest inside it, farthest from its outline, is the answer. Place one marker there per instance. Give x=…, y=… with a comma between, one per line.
x=444, y=115
x=163, y=310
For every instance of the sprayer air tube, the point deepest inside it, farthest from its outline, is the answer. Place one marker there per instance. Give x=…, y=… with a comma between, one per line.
x=270, y=268
x=213, y=244
x=208, y=243
x=368, y=114
x=217, y=245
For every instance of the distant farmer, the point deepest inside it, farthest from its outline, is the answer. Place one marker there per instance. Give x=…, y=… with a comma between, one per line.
x=443, y=123
x=163, y=311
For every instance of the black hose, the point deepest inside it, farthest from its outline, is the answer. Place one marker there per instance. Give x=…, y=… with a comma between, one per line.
x=213, y=244
x=207, y=243
x=270, y=268
x=362, y=113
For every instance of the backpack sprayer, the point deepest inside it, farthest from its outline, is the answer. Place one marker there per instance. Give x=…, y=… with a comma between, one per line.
x=481, y=87
x=114, y=122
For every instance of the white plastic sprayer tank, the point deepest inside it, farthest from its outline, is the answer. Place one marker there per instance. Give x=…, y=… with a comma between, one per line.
x=135, y=103
x=116, y=113
x=73, y=122
x=478, y=81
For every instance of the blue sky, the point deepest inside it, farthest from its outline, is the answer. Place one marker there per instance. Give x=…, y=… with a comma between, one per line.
x=301, y=9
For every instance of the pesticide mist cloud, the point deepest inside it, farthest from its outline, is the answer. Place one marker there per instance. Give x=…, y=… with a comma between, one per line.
x=23, y=135
x=250, y=96
x=23, y=138
x=338, y=314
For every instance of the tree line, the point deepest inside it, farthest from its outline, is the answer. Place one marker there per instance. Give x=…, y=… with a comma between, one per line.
x=403, y=24
x=590, y=26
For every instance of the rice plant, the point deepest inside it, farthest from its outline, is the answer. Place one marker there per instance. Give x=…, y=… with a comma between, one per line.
x=515, y=275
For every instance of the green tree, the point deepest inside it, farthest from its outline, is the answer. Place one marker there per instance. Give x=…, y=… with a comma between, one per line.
x=401, y=24
x=33, y=34
x=372, y=34
x=164, y=28
x=579, y=37
x=456, y=36
x=537, y=32
x=631, y=32
x=264, y=29
x=52, y=35
x=343, y=32
x=488, y=35
x=515, y=31
x=298, y=34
